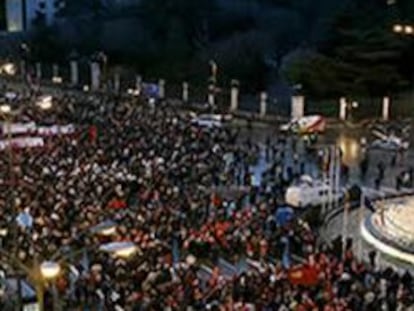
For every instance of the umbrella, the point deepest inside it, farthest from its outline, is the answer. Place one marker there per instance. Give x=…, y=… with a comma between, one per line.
x=283, y=215
x=25, y=220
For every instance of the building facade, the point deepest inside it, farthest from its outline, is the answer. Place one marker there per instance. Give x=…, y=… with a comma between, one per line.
x=19, y=15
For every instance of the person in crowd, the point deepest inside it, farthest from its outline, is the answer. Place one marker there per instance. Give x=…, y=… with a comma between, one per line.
x=165, y=182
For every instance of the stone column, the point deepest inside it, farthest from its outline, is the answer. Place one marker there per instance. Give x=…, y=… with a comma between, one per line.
x=234, y=96
x=138, y=83
x=74, y=72
x=161, y=89
x=211, y=97
x=95, y=76
x=386, y=108
x=55, y=71
x=38, y=71
x=23, y=68
x=117, y=82
x=263, y=104
x=342, y=108
x=185, y=92
x=297, y=106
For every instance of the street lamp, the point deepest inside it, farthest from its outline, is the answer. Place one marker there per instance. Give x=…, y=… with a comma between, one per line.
x=8, y=69
x=404, y=29
x=397, y=28
x=408, y=29
x=5, y=109
x=50, y=269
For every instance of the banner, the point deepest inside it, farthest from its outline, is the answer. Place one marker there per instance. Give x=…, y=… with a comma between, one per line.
x=18, y=128
x=55, y=130
x=24, y=142
x=32, y=128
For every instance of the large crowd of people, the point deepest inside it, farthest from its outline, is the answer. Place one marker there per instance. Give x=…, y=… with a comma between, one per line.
x=207, y=235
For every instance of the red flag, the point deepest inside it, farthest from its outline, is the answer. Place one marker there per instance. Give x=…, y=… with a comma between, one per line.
x=304, y=275
x=93, y=134
x=117, y=204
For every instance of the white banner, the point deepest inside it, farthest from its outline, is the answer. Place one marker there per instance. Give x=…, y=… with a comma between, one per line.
x=20, y=143
x=32, y=128
x=18, y=128
x=55, y=130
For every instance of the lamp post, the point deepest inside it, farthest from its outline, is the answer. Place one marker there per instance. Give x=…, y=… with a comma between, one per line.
x=50, y=271
x=24, y=54
x=406, y=30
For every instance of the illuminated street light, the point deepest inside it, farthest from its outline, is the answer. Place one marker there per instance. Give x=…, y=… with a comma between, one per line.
x=403, y=29
x=3, y=232
x=5, y=109
x=398, y=28
x=409, y=30
x=49, y=269
x=8, y=69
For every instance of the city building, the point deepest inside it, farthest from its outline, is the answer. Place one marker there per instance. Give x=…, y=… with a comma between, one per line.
x=19, y=15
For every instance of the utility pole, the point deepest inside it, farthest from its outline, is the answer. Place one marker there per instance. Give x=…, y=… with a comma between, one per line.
x=332, y=161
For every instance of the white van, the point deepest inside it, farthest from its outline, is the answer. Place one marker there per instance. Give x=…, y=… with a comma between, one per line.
x=309, y=192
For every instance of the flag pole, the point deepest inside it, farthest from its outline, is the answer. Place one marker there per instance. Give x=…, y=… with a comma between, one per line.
x=331, y=173
x=325, y=162
x=360, y=220
x=347, y=202
x=345, y=226
x=337, y=176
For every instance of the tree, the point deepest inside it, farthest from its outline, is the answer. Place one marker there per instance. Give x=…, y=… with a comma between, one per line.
x=365, y=43
x=359, y=57
x=72, y=8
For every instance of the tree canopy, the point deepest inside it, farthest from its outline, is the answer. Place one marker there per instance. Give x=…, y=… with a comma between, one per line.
x=330, y=47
